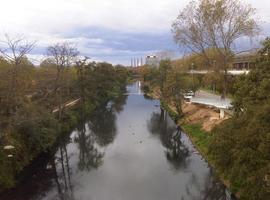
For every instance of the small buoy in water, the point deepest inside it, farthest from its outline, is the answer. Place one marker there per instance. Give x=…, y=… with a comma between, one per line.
x=8, y=147
x=10, y=156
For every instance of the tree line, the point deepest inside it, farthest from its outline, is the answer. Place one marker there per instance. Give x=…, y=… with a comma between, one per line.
x=240, y=146
x=30, y=95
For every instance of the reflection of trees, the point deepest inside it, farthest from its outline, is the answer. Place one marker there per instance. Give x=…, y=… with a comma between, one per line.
x=103, y=126
x=119, y=103
x=176, y=152
x=213, y=189
x=63, y=174
x=97, y=132
x=89, y=154
x=92, y=134
x=103, y=123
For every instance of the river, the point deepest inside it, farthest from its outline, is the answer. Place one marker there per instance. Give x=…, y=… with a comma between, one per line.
x=128, y=150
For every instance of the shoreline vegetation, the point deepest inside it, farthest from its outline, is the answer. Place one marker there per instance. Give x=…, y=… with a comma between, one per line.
x=193, y=127
x=46, y=103
x=237, y=146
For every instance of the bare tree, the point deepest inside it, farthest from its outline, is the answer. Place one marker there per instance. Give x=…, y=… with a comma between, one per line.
x=14, y=51
x=63, y=55
x=215, y=25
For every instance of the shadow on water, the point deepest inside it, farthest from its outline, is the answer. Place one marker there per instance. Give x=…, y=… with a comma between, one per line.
x=90, y=137
x=162, y=126
x=177, y=153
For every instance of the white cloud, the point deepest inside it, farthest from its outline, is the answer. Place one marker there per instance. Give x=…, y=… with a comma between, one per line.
x=60, y=15
x=46, y=21
x=50, y=16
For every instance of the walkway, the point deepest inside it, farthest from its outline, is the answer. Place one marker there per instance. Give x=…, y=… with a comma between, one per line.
x=68, y=104
x=207, y=98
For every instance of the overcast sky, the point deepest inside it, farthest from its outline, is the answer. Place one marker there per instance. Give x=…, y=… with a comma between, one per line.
x=107, y=30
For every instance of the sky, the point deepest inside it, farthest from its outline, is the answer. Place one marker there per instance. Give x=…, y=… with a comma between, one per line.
x=104, y=30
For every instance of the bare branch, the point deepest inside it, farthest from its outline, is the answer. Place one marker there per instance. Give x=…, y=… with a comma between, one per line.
x=15, y=49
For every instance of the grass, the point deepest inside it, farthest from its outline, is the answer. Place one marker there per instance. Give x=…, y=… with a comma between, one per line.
x=199, y=137
x=171, y=112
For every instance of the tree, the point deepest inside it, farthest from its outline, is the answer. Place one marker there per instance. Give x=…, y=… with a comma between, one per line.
x=164, y=67
x=15, y=49
x=16, y=76
x=63, y=55
x=241, y=146
x=215, y=25
x=176, y=91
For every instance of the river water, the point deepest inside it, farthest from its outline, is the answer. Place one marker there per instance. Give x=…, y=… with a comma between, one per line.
x=128, y=150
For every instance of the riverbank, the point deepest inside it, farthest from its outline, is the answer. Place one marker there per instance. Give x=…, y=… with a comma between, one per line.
x=208, y=118
x=72, y=117
x=197, y=122
x=117, y=140
x=39, y=126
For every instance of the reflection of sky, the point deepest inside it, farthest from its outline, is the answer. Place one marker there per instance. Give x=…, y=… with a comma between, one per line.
x=135, y=166
x=135, y=89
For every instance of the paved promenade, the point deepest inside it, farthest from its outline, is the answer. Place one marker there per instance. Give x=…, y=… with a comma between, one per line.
x=207, y=98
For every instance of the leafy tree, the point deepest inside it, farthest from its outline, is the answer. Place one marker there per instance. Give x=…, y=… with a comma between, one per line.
x=215, y=25
x=241, y=145
x=28, y=95
x=164, y=68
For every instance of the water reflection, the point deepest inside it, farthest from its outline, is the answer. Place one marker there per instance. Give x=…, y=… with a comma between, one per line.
x=62, y=174
x=213, y=189
x=89, y=154
x=178, y=153
x=170, y=136
x=91, y=136
x=97, y=132
x=136, y=154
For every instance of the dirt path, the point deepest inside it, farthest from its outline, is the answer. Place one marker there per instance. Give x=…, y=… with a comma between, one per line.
x=198, y=114
x=207, y=116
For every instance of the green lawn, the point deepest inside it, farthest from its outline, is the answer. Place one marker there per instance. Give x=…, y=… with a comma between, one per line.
x=199, y=137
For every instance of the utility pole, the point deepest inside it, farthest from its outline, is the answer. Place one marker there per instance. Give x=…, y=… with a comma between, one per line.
x=214, y=85
x=192, y=68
